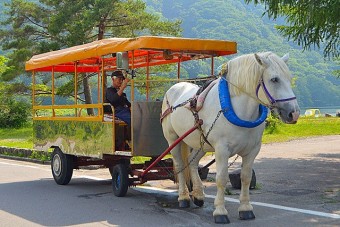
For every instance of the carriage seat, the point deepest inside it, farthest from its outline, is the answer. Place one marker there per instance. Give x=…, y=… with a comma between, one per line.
x=109, y=118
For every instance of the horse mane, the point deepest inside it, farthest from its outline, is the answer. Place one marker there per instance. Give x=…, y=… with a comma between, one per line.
x=244, y=71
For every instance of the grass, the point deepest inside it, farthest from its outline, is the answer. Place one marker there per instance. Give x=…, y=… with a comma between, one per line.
x=20, y=138
x=306, y=127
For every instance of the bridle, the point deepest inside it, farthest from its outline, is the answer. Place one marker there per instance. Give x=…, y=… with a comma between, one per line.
x=270, y=98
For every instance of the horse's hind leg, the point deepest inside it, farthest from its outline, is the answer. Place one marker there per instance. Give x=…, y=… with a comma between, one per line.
x=181, y=170
x=197, y=192
x=246, y=209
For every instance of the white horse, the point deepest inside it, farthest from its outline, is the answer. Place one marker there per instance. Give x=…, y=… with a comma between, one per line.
x=233, y=122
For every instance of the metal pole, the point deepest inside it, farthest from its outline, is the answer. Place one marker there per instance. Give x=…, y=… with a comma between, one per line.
x=212, y=65
x=53, y=112
x=179, y=68
x=147, y=76
x=76, y=87
x=33, y=93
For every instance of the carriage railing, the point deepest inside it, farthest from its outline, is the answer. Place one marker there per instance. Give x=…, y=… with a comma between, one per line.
x=154, y=89
x=68, y=112
x=77, y=112
x=193, y=80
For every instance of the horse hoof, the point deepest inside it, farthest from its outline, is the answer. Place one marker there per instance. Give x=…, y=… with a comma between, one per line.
x=246, y=215
x=184, y=203
x=221, y=219
x=198, y=202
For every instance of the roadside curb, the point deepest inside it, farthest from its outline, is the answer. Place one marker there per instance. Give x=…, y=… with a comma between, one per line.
x=22, y=154
x=25, y=159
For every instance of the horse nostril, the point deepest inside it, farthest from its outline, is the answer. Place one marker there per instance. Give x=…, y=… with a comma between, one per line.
x=293, y=116
x=290, y=115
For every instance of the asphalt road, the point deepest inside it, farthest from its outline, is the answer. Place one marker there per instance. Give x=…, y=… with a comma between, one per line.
x=298, y=185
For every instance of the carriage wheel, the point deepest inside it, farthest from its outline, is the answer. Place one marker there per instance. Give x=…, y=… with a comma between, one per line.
x=120, y=180
x=62, y=167
x=111, y=170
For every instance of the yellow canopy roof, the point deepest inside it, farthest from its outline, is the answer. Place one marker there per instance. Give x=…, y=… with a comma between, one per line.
x=141, y=46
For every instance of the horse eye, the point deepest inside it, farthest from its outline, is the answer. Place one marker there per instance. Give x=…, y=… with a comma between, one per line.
x=274, y=80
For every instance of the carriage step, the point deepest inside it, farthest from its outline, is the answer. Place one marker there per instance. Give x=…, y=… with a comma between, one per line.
x=235, y=179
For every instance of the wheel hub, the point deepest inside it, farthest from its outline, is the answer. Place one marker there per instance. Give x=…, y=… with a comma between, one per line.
x=56, y=165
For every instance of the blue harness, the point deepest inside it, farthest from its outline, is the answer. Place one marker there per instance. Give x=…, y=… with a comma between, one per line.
x=228, y=110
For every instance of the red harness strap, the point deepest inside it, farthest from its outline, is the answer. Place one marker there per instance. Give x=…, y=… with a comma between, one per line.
x=166, y=113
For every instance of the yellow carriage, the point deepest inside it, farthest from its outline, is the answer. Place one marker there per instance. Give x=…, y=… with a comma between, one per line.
x=80, y=137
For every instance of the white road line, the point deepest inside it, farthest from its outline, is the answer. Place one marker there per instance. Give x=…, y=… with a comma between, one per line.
x=148, y=189
x=90, y=178
x=311, y=212
x=15, y=164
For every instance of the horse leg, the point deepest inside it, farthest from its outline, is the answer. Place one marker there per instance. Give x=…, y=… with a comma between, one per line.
x=197, y=192
x=179, y=169
x=220, y=213
x=246, y=209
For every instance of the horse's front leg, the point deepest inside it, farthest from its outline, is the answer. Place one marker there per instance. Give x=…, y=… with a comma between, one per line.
x=197, y=188
x=220, y=213
x=246, y=209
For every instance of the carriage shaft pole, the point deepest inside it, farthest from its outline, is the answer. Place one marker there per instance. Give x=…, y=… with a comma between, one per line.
x=200, y=122
x=209, y=164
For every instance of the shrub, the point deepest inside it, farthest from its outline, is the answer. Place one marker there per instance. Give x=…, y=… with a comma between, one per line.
x=272, y=122
x=13, y=114
x=43, y=156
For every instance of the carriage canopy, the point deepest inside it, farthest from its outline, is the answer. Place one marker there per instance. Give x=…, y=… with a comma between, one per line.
x=142, y=51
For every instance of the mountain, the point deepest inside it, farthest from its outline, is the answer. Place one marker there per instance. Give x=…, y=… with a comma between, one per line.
x=234, y=20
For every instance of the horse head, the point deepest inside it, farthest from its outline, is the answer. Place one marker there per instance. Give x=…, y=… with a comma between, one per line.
x=274, y=87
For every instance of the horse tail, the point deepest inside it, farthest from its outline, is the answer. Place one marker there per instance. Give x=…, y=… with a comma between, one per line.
x=185, y=168
x=185, y=157
x=165, y=103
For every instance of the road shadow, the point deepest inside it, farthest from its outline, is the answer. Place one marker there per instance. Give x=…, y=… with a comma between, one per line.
x=308, y=183
x=82, y=201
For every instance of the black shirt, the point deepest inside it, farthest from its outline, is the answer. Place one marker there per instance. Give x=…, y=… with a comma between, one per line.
x=115, y=100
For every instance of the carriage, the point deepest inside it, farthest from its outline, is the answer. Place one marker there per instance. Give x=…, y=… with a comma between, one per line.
x=80, y=137
x=226, y=117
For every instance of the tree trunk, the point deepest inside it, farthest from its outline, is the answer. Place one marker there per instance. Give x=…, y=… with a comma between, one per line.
x=87, y=94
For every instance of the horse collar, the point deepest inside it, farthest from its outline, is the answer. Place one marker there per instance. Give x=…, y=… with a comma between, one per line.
x=229, y=112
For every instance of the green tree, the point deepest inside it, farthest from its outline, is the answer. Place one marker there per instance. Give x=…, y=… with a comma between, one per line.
x=34, y=27
x=13, y=113
x=310, y=22
x=244, y=23
x=337, y=71
x=3, y=61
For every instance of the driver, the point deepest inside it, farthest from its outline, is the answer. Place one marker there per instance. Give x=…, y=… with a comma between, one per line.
x=117, y=98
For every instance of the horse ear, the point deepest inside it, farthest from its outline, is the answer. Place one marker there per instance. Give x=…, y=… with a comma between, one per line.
x=285, y=58
x=261, y=60
x=223, y=70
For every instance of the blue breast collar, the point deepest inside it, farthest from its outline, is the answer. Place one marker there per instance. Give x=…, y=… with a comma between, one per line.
x=228, y=110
